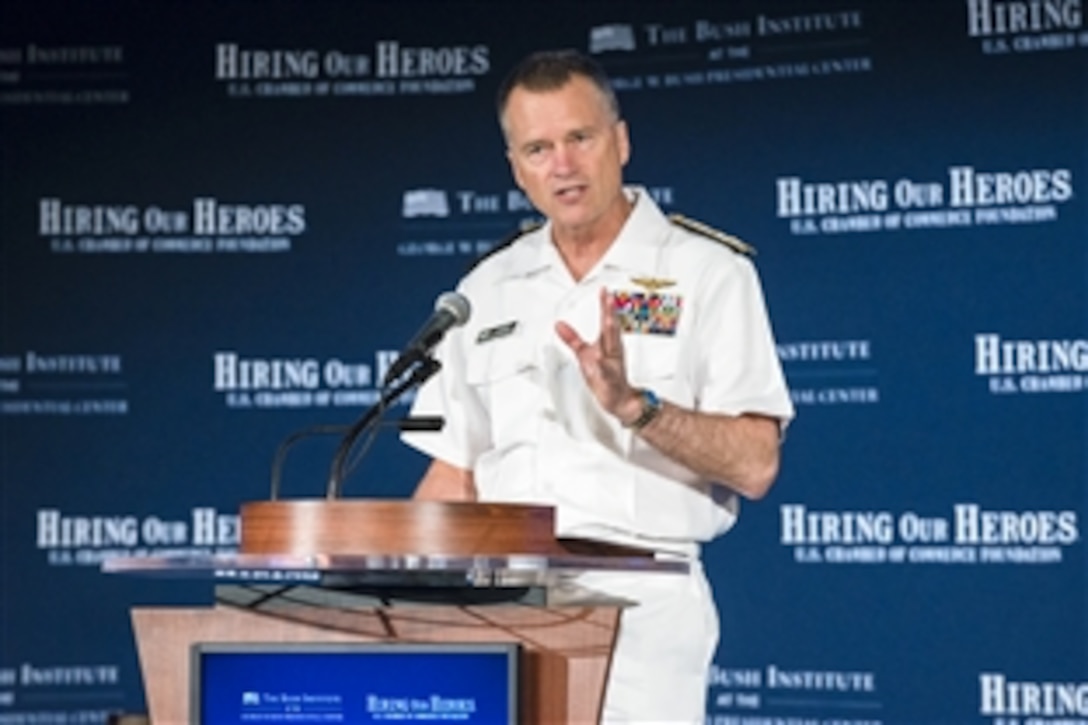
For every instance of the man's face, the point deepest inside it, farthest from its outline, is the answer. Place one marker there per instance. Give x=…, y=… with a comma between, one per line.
x=567, y=152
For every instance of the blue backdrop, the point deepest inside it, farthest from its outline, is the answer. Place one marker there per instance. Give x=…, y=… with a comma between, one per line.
x=218, y=221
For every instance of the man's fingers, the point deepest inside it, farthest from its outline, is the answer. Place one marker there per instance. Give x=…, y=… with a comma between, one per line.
x=570, y=337
x=611, y=343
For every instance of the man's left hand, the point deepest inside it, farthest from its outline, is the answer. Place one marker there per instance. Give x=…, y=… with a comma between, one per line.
x=602, y=364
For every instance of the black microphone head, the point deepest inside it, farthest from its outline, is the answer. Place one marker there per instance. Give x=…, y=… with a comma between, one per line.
x=451, y=309
x=456, y=304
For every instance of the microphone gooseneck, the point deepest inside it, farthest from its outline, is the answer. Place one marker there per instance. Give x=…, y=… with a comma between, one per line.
x=451, y=309
x=412, y=368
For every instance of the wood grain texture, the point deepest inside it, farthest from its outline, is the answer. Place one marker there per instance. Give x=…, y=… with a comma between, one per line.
x=396, y=527
x=565, y=658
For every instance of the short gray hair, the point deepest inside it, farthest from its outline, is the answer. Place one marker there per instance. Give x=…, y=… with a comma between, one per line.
x=549, y=70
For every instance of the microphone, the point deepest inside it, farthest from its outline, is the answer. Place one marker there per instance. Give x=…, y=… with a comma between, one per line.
x=451, y=309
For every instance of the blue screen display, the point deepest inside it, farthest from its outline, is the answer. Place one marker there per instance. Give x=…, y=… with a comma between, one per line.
x=354, y=683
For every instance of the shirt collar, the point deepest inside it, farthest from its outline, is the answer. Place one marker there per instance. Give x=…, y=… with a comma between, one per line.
x=640, y=236
x=643, y=230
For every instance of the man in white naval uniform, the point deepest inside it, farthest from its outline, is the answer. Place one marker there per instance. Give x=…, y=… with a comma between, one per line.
x=618, y=366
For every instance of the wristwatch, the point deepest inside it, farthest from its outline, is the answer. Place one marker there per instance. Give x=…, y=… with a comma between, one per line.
x=651, y=406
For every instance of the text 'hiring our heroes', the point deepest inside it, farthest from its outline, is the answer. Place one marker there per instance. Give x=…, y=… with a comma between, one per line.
x=207, y=217
x=970, y=525
x=966, y=188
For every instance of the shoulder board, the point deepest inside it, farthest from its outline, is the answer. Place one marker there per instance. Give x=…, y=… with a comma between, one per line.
x=527, y=226
x=718, y=236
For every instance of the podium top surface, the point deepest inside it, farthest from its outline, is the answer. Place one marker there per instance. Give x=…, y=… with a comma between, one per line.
x=393, y=569
x=398, y=542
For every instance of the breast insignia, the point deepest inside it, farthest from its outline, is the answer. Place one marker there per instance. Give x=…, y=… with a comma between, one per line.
x=707, y=231
x=653, y=284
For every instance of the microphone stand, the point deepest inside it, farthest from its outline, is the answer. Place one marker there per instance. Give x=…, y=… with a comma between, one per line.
x=285, y=445
x=422, y=372
x=421, y=423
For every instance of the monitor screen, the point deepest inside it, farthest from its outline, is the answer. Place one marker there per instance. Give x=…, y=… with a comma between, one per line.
x=371, y=682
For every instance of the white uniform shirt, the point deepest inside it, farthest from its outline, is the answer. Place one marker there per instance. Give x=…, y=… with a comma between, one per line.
x=520, y=416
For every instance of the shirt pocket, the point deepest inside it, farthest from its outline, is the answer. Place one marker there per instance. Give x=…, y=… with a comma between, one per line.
x=505, y=375
x=655, y=362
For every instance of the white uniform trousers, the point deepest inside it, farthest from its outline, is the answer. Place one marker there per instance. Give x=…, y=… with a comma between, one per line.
x=665, y=645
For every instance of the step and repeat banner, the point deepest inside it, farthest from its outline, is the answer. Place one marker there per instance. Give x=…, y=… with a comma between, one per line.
x=219, y=221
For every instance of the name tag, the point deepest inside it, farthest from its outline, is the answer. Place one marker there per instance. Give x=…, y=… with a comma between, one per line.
x=494, y=333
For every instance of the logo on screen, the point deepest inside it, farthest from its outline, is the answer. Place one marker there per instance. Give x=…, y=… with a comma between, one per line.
x=999, y=696
x=966, y=197
x=988, y=18
x=611, y=37
x=390, y=68
x=208, y=226
x=1026, y=26
x=425, y=202
x=1037, y=365
x=968, y=534
x=753, y=689
x=66, y=383
x=63, y=75
x=297, y=382
x=505, y=212
x=743, y=48
x=830, y=372
x=74, y=539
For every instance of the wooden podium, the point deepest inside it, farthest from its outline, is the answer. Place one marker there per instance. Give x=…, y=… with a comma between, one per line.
x=398, y=571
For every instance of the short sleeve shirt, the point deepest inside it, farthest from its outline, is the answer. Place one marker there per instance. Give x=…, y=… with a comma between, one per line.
x=520, y=416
